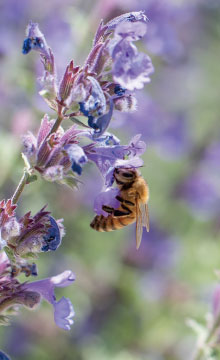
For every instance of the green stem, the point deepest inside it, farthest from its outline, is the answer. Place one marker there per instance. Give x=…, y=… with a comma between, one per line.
x=20, y=188
x=209, y=337
x=56, y=125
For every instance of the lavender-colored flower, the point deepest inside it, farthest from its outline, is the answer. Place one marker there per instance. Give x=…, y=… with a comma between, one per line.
x=63, y=309
x=52, y=239
x=216, y=301
x=107, y=197
x=77, y=157
x=33, y=234
x=4, y=263
x=12, y=292
x=50, y=154
x=9, y=226
x=35, y=40
x=200, y=189
x=3, y=356
x=201, y=195
x=106, y=157
x=130, y=68
x=112, y=66
x=128, y=17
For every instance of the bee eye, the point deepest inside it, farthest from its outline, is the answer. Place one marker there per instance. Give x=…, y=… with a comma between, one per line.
x=127, y=175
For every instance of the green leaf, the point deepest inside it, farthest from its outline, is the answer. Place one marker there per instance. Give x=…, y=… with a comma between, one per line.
x=10, y=254
x=30, y=256
x=70, y=181
x=4, y=320
x=31, y=178
x=78, y=122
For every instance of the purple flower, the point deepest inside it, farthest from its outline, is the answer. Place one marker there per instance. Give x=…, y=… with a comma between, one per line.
x=128, y=17
x=52, y=239
x=31, y=234
x=3, y=356
x=63, y=309
x=107, y=197
x=35, y=40
x=77, y=157
x=131, y=69
x=4, y=263
x=48, y=153
x=12, y=291
x=9, y=226
x=107, y=158
x=201, y=195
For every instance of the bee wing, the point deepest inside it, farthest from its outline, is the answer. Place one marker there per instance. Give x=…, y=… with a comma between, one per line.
x=142, y=220
x=146, y=221
x=139, y=224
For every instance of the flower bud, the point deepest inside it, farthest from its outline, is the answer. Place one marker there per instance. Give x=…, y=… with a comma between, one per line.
x=126, y=103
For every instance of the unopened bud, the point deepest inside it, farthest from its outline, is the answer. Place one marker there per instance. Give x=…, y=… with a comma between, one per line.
x=126, y=103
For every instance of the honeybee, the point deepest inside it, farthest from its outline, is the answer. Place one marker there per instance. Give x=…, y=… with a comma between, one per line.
x=133, y=198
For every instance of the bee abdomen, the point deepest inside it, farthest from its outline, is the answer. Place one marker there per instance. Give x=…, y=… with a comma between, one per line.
x=110, y=223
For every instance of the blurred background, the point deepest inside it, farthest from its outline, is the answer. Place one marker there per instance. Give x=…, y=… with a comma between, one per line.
x=130, y=305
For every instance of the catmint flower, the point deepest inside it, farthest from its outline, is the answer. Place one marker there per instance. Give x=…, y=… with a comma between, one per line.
x=36, y=41
x=128, y=17
x=216, y=301
x=50, y=154
x=38, y=233
x=106, y=157
x=130, y=69
x=107, y=197
x=12, y=291
x=77, y=156
x=3, y=356
x=9, y=226
x=63, y=309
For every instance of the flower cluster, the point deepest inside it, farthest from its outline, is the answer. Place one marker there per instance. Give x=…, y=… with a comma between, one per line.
x=28, y=235
x=112, y=71
x=14, y=293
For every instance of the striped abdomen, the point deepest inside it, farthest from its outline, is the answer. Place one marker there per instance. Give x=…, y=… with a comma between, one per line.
x=110, y=223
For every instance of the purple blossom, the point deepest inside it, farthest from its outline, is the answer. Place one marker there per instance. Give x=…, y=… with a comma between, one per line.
x=107, y=197
x=201, y=195
x=63, y=309
x=130, y=68
x=47, y=152
x=52, y=239
x=12, y=291
x=30, y=234
x=4, y=263
x=35, y=40
x=3, y=356
x=216, y=301
x=128, y=17
x=108, y=157
x=9, y=226
x=77, y=157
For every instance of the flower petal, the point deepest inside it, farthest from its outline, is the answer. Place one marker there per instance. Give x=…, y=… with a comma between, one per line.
x=63, y=313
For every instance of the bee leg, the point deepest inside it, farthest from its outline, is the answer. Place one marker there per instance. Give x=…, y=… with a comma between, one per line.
x=115, y=212
x=108, y=209
x=123, y=201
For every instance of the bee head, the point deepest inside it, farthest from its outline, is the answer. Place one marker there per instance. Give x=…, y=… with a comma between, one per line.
x=125, y=175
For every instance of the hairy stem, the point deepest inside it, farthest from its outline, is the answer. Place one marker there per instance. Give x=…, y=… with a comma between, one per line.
x=56, y=125
x=209, y=338
x=20, y=187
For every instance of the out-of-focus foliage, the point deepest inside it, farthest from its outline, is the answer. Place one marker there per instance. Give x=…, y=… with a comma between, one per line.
x=129, y=305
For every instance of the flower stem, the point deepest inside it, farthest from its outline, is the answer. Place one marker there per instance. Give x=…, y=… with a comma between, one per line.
x=56, y=125
x=20, y=187
x=209, y=337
